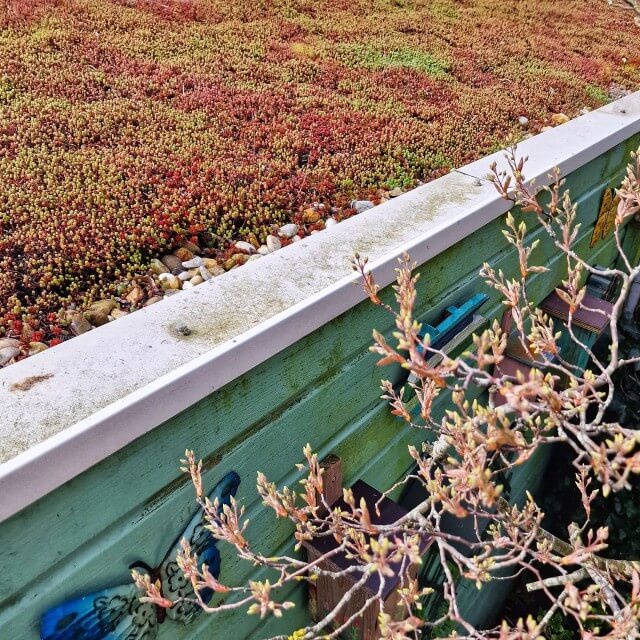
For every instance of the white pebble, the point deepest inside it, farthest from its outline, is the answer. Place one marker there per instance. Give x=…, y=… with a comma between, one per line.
x=296, y=239
x=185, y=275
x=7, y=354
x=193, y=263
x=330, y=222
x=523, y=121
x=205, y=273
x=263, y=250
x=273, y=244
x=187, y=285
x=288, y=230
x=245, y=246
x=9, y=342
x=361, y=205
x=254, y=257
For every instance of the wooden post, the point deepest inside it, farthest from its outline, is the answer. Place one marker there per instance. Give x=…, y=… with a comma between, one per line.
x=331, y=492
x=331, y=478
x=327, y=591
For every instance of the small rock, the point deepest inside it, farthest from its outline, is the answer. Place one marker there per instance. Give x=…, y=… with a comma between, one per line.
x=559, y=118
x=9, y=342
x=156, y=267
x=137, y=294
x=311, y=216
x=196, y=280
x=103, y=307
x=37, y=347
x=296, y=239
x=96, y=318
x=213, y=267
x=273, y=244
x=190, y=246
x=254, y=257
x=186, y=285
x=394, y=193
x=361, y=205
x=204, y=273
x=172, y=262
x=547, y=128
x=263, y=250
x=247, y=247
x=523, y=121
x=169, y=281
x=79, y=324
x=194, y=263
x=8, y=353
x=288, y=230
x=183, y=254
x=119, y=313
x=330, y=222
x=210, y=263
x=185, y=275
x=177, y=272
x=152, y=300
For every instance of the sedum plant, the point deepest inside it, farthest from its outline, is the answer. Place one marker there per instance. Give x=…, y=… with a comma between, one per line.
x=130, y=126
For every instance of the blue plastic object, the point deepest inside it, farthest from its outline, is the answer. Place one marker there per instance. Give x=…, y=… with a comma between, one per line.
x=456, y=320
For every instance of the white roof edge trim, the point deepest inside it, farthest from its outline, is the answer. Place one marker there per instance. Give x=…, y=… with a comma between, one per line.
x=51, y=462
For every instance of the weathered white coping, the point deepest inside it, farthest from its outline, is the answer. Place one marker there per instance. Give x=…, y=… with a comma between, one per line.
x=110, y=386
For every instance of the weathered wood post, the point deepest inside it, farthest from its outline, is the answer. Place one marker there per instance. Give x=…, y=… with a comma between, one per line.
x=326, y=592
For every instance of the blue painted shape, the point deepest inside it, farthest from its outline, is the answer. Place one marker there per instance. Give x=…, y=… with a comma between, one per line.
x=116, y=613
x=110, y=614
x=457, y=319
x=204, y=545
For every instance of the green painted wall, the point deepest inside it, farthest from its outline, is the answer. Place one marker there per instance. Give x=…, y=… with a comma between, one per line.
x=324, y=390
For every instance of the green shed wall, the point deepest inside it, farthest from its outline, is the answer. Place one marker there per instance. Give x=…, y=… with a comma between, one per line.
x=323, y=389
